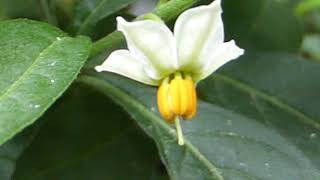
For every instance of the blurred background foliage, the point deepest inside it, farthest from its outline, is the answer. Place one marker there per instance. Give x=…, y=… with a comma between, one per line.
x=66, y=143
x=271, y=24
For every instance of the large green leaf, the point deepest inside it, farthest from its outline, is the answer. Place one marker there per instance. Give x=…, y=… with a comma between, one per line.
x=263, y=24
x=89, y=12
x=276, y=89
x=80, y=141
x=37, y=63
x=11, y=150
x=257, y=120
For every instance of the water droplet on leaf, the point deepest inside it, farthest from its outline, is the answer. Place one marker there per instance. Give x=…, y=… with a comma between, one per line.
x=242, y=164
x=267, y=164
x=313, y=135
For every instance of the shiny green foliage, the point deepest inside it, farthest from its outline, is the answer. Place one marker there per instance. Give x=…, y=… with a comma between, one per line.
x=258, y=116
x=38, y=62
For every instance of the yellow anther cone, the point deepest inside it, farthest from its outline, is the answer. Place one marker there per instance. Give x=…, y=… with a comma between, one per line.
x=192, y=99
x=177, y=98
x=163, y=102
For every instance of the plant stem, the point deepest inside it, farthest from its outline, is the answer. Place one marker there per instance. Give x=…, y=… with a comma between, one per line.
x=166, y=12
x=179, y=131
x=161, y=2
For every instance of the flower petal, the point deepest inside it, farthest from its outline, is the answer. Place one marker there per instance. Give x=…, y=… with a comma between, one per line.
x=151, y=41
x=197, y=29
x=218, y=57
x=123, y=63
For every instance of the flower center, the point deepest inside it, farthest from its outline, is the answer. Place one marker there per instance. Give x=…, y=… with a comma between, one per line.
x=177, y=97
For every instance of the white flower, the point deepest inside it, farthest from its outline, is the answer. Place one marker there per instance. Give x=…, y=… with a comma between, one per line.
x=174, y=61
x=196, y=47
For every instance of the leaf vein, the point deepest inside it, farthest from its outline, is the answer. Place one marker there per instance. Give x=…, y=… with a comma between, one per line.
x=27, y=72
x=269, y=98
x=121, y=97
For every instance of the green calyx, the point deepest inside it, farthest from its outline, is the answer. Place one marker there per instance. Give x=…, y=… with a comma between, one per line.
x=150, y=16
x=161, y=2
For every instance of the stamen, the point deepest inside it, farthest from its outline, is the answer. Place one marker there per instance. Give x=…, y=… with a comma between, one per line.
x=179, y=131
x=163, y=101
x=177, y=100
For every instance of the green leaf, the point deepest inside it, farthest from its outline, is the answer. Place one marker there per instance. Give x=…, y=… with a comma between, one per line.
x=107, y=26
x=90, y=144
x=263, y=24
x=276, y=89
x=11, y=151
x=37, y=63
x=89, y=12
x=257, y=120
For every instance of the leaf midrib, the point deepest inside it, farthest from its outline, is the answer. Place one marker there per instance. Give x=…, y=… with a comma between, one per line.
x=123, y=98
x=121, y=95
x=86, y=21
x=18, y=81
x=269, y=98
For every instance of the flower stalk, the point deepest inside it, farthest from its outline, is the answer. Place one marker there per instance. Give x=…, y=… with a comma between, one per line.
x=179, y=131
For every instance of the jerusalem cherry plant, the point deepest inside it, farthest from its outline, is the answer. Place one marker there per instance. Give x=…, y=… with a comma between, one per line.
x=169, y=89
x=174, y=62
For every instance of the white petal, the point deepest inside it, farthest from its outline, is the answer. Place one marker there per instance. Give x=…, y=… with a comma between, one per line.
x=151, y=41
x=217, y=58
x=197, y=29
x=123, y=63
